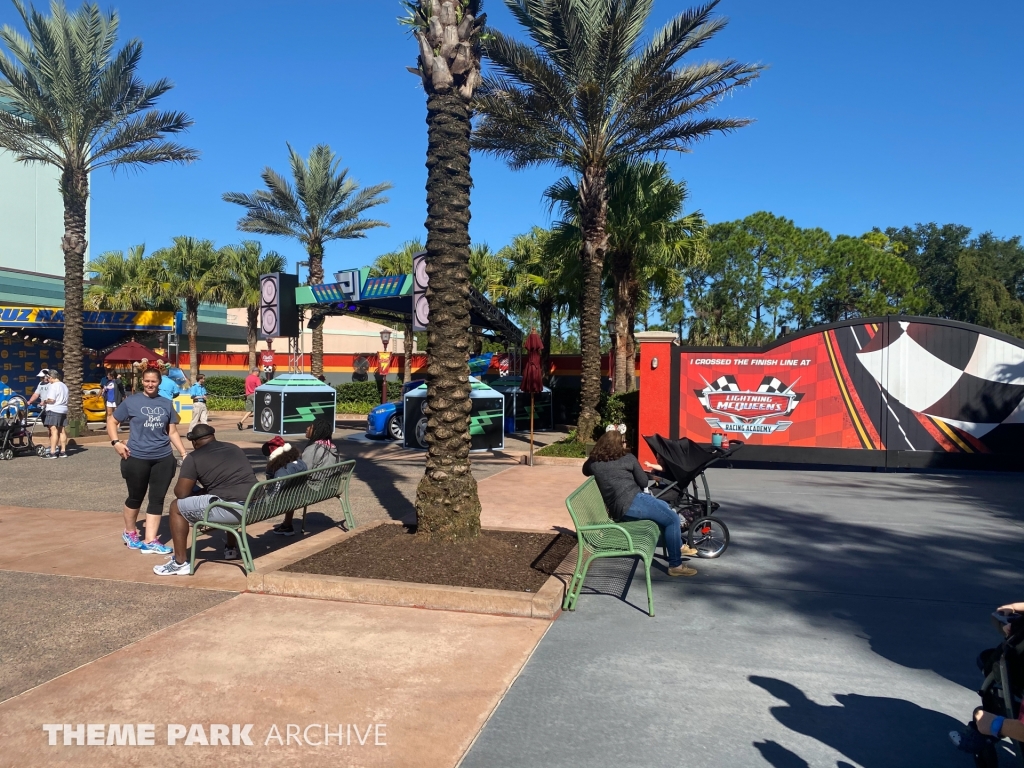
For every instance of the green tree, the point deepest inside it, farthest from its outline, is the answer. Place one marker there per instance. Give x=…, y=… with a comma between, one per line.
x=75, y=103
x=588, y=94
x=193, y=273
x=864, y=277
x=323, y=205
x=400, y=263
x=536, y=282
x=448, y=36
x=649, y=244
x=126, y=282
x=242, y=266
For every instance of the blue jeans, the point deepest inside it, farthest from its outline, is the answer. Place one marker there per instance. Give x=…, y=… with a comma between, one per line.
x=646, y=507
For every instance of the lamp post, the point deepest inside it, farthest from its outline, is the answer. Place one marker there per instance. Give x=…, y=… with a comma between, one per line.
x=385, y=360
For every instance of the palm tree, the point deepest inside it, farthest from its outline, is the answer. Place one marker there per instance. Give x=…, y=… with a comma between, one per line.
x=586, y=95
x=400, y=263
x=129, y=282
x=323, y=205
x=448, y=34
x=75, y=103
x=648, y=245
x=537, y=279
x=243, y=265
x=194, y=274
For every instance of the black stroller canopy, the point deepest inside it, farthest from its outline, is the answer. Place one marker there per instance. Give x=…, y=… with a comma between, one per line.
x=683, y=459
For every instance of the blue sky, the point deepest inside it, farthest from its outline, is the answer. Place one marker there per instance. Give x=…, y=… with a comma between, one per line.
x=871, y=114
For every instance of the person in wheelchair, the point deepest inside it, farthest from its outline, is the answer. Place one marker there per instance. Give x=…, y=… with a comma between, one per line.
x=623, y=486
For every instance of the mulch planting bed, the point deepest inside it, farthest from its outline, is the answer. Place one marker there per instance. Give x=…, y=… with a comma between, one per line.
x=520, y=562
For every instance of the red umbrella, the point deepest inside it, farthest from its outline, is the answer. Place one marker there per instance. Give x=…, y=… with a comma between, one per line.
x=132, y=352
x=533, y=380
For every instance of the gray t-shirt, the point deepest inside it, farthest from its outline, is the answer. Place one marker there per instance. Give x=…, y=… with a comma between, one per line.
x=148, y=420
x=222, y=469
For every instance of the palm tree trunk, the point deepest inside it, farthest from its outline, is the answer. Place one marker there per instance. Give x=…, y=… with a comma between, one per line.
x=594, y=217
x=192, y=327
x=621, y=309
x=251, y=316
x=74, y=184
x=407, y=362
x=545, y=310
x=316, y=276
x=447, y=504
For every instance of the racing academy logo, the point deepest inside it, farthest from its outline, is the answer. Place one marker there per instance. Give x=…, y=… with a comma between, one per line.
x=746, y=412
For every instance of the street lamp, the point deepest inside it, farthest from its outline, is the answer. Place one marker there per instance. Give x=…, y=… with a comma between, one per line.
x=385, y=360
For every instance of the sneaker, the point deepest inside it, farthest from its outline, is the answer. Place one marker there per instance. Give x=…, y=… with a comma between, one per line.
x=230, y=553
x=131, y=539
x=682, y=570
x=240, y=427
x=154, y=547
x=50, y=455
x=62, y=455
x=688, y=551
x=171, y=568
x=284, y=529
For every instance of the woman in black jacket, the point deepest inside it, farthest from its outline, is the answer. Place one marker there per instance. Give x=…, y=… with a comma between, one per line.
x=623, y=484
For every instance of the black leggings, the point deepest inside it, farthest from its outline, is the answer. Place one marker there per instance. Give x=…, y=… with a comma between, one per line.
x=154, y=474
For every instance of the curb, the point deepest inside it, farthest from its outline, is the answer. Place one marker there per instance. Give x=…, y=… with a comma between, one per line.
x=268, y=579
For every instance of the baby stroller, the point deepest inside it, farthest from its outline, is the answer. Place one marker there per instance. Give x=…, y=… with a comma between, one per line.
x=1001, y=691
x=684, y=461
x=15, y=435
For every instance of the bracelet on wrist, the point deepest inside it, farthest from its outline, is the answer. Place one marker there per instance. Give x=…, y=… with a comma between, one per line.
x=997, y=726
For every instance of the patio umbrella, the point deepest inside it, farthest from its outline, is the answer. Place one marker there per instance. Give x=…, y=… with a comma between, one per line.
x=132, y=352
x=533, y=380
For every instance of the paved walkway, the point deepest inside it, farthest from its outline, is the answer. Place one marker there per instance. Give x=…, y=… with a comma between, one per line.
x=839, y=629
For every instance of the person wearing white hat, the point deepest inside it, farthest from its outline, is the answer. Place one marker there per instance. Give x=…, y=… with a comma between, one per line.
x=40, y=393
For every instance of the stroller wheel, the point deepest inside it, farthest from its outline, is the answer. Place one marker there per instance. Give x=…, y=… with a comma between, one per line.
x=709, y=536
x=7, y=455
x=42, y=450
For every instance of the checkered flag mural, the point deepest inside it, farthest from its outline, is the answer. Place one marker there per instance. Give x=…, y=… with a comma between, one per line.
x=725, y=383
x=772, y=385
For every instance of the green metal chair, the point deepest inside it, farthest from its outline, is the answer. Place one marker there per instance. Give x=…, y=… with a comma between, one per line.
x=270, y=498
x=598, y=535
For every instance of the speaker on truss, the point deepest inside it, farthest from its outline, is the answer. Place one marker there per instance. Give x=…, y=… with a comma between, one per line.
x=278, y=314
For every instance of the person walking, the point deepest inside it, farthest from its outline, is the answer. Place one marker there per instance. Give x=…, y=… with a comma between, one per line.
x=56, y=417
x=200, y=414
x=147, y=462
x=40, y=391
x=251, y=382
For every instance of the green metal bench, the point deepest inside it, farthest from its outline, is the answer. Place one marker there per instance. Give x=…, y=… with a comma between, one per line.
x=597, y=535
x=270, y=498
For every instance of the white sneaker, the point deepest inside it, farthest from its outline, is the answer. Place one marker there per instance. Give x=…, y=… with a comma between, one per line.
x=231, y=553
x=171, y=568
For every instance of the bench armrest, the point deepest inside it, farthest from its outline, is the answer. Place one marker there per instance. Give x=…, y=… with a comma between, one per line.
x=608, y=526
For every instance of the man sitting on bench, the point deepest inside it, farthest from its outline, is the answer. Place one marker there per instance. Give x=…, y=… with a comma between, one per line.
x=224, y=472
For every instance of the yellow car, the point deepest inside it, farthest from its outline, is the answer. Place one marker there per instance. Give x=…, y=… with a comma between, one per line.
x=93, y=403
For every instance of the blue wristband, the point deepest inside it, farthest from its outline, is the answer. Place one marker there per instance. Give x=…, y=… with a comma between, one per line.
x=997, y=726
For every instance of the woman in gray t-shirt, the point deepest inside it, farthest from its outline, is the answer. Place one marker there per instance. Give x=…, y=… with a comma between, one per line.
x=147, y=463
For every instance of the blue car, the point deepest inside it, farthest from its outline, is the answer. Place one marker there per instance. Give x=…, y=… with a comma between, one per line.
x=388, y=420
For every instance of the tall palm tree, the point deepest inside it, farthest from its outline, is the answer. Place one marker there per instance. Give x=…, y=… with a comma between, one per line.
x=126, y=282
x=448, y=34
x=193, y=274
x=588, y=93
x=242, y=266
x=400, y=263
x=75, y=103
x=649, y=244
x=537, y=278
x=323, y=205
